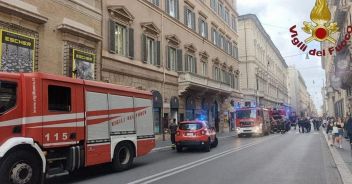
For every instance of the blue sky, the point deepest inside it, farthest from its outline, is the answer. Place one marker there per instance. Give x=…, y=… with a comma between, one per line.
x=277, y=16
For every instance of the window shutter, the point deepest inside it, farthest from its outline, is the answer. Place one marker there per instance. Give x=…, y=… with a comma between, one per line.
x=177, y=10
x=179, y=60
x=200, y=26
x=212, y=35
x=167, y=7
x=233, y=51
x=157, y=53
x=131, y=42
x=144, y=48
x=217, y=39
x=186, y=63
x=206, y=29
x=195, y=65
x=236, y=52
x=224, y=44
x=112, y=28
x=185, y=16
x=193, y=21
x=168, y=64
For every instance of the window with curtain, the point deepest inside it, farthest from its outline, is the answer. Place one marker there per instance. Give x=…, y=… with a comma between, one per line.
x=156, y=2
x=172, y=58
x=150, y=45
x=203, y=28
x=172, y=8
x=214, y=5
x=120, y=39
x=190, y=64
x=204, y=68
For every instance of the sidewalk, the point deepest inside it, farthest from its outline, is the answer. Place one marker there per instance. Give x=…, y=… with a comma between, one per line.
x=342, y=158
x=162, y=145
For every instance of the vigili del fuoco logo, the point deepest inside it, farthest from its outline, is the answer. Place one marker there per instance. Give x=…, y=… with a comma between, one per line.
x=320, y=29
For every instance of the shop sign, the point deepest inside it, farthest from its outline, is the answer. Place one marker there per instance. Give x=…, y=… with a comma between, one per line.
x=17, y=52
x=83, y=65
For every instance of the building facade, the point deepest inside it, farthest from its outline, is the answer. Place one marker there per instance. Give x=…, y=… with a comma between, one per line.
x=338, y=73
x=297, y=90
x=184, y=51
x=67, y=42
x=300, y=99
x=263, y=69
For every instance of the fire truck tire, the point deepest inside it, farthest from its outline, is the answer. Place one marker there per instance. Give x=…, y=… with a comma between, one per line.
x=20, y=167
x=123, y=157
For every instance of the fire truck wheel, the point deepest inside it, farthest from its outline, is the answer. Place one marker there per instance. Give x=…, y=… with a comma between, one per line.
x=123, y=157
x=20, y=167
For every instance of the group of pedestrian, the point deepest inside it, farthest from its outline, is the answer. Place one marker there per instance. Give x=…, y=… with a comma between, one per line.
x=336, y=127
x=317, y=123
x=304, y=125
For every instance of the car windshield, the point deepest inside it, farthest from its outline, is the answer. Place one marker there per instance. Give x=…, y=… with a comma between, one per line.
x=251, y=113
x=190, y=126
x=7, y=96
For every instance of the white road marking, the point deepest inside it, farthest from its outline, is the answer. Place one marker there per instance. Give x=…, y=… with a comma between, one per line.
x=161, y=148
x=169, y=147
x=176, y=170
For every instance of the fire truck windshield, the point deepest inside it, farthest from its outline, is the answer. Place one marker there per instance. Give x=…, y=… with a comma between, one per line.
x=7, y=96
x=249, y=113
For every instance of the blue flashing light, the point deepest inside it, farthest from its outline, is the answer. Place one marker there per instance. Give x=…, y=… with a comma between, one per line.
x=202, y=117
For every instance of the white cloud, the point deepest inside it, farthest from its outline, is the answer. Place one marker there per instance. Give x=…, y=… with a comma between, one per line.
x=277, y=17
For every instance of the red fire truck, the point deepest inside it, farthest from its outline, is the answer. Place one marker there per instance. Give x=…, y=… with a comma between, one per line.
x=252, y=121
x=52, y=125
x=279, y=119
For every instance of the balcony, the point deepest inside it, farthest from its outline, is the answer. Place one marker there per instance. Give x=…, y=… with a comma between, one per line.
x=193, y=82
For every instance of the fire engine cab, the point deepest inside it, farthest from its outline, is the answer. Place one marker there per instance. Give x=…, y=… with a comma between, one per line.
x=252, y=121
x=52, y=125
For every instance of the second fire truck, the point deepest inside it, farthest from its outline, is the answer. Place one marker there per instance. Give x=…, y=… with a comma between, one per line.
x=252, y=121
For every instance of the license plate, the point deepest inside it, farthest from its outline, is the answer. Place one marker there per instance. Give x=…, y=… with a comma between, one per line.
x=189, y=134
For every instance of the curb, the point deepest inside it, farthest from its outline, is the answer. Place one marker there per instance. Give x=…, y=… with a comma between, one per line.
x=342, y=168
x=169, y=147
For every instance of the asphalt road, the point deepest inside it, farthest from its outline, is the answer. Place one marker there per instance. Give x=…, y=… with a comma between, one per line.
x=276, y=159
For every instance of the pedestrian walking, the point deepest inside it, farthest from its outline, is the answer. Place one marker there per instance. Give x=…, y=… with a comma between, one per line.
x=308, y=125
x=315, y=124
x=349, y=129
x=300, y=125
x=173, y=129
x=319, y=121
x=345, y=133
x=325, y=123
x=340, y=127
x=329, y=132
x=295, y=122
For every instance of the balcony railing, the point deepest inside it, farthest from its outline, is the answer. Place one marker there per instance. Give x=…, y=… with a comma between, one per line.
x=187, y=79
